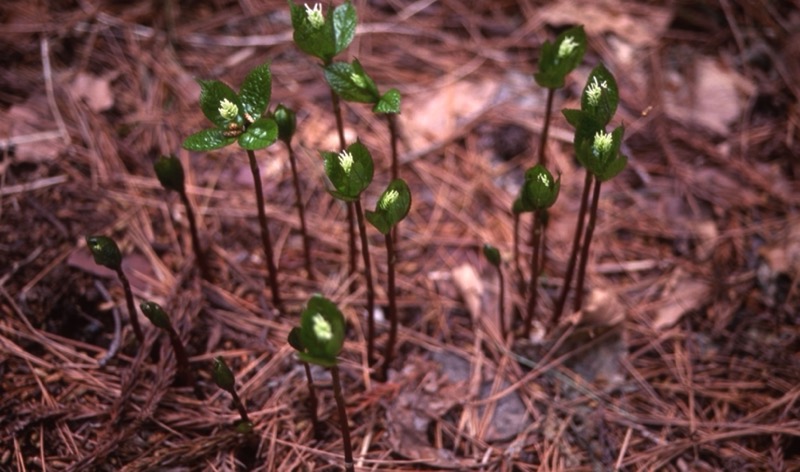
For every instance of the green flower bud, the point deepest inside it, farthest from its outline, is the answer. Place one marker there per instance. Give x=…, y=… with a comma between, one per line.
x=539, y=191
x=287, y=122
x=105, y=252
x=170, y=173
x=492, y=254
x=155, y=314
x=222, y=375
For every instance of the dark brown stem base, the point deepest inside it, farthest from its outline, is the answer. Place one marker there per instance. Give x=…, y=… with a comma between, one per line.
x=126, y=286
x=312, y=402
x=362, y=228
x=266, y=241
x=533, y=289
x=199, y=254
x=349, y=466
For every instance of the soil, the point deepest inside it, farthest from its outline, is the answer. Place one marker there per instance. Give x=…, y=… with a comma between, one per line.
x=684, y=356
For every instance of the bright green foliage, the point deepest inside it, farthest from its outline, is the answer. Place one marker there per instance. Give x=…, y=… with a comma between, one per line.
x=350, y=171
x=392, y=206
x=170, y=173
x=492, y=254
x=540, y=190
x=237, y=117
x=600, y=95
x=323, y=39
x=105, y=252
x=351, y=82
x=155, y=314
x=600, y=155
x=222, y=375
x=320, y=337
x=286, y=119
x=559, y=58
x=388, y=103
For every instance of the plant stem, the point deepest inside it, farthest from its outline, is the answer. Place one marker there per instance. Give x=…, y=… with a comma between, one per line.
x=349, y=466
x=546, y=127
x=300, y=211
x=237, y=402
x=516, y=314
x=265, y=238
x=362, y=228
x=312, y=402
x=199, y=254
x=351, y=224
x=587, y=241
x=184, y=375
x=390, y=257
x=126, y=286
x=391, y=118
x=562, y=299
x=502, y=303
x=533, y=288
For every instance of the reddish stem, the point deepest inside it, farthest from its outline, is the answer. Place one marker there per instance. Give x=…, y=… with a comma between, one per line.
x=587, y=241
x=300, y=211
x=362, y=228
x=390, y=256
x=126, y=286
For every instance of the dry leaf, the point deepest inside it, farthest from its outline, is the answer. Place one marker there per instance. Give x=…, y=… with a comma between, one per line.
x=687, y=294
x=94, y=90
x=470, y=286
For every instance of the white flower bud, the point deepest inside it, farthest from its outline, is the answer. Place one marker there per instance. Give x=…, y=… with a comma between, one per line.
x=566, y=47
x=346, y=161
x=388, y=199
x=228, y=109
x=322, y=329
x=602, y=143
x=314, y=15
x=595, y=90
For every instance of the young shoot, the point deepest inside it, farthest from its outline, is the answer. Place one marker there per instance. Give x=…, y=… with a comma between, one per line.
x=492, y=254
x=107, y=254
x=223, y=377
x=320, y=339
x=169, y=171
x=349, y=174
x=392, y=207
x=238, y=118
x=160, y=319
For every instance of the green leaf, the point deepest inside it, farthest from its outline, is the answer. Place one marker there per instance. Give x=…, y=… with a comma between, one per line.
x=286, y=119
x=259, y=135
x=256, y=91
x=155, y=314
x=492, y=254
x=603, y=161
x=388, y=103
x=351, y=82
x=540, y=190
x=349, y=172
x=105, y=252
x=518, y=206
x=222, y=375
x=243, y=426
x=600, y=95
x=295, y=340
x=170, y=173
x=315, y=40
x=344, y=26
x=207, y=140
x=212, y=93
x=586, y=125
x=392, y=206
x=559, y=58
x=322, y=331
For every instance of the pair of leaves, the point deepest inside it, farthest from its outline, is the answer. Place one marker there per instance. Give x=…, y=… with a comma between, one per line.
x=604, y=164
x=105, y=252
x=392, y=206
x=247, y=126
x=349, y=180
x=538, y=192
x=327, y=39
x=352, y=83
x=320, y=336
x=559, y=58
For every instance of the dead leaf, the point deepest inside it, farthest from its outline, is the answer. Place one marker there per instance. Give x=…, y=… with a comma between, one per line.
x=602, y=309
x=687, y=294
x=95, y=91
x=470, y=286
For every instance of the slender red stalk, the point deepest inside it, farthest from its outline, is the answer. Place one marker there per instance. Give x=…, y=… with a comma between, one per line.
x=351, y=220
x=266, y=241
x=349, y=466
x=533, y=289
x=199, y=254
x=587, y=241
x=312, y=402
x=126, y=286
x=390, y=345
x=300, y=210
x=362, y=228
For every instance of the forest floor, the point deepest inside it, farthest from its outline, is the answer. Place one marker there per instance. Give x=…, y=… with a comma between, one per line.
x=686, y=355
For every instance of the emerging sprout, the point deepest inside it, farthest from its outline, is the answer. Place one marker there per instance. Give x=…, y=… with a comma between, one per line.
x=160, y=319
x=492, y=255
x=223, y=377
x=170, y=173
x=287, y=122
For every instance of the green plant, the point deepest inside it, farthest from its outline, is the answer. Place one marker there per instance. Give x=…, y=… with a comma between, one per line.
x=324, y=35
x=320, y=338
x=392, y=207
x=107, y=254
x=223, y=377
x=160, y=319
x=287, y=123
x=238, y=118
x=313, y=404
x=169, y=171
x=349, y=174
x=492, y=254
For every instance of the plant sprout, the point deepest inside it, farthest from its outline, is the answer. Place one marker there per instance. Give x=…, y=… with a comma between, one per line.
x=107, y=254
x=169, y=171
x=160, y=319
x=349, y=174
x=287, y=123
x=238, y=118
x=223, y=377
x=320, y=338
x=492, y=255
x=324, y=35
x=392, y=207
x=598, y=152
